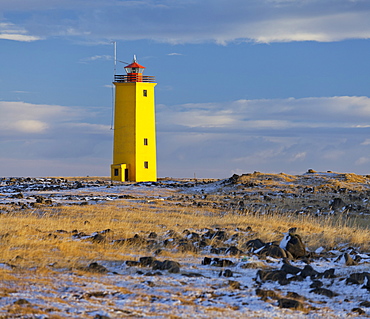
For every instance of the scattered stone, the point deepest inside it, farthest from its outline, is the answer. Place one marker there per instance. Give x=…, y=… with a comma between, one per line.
x=365, y=304
x=289, y=269
x=254, y=244
x=290, y=304
x=147, y=261
x=271, y=275
x=96, y=294
x=206, y=261
x=156, y=273
x=346, y=259
x=152, y=235
x=272, y=250
x=336, y=204
x=296, y=246
x=234, y=284
x=226, y=273
x=221, y=262
x=359, y=311
x=220, y=235
x=233, y=251
x=136, y=241
x=131, y=263
x=265, y=294
x=329, y=273
x=308, y=271
x=21, y=302
x=171, y=266
x=316, y=284
x=95, y=267
x=192, y=274
x=358, y=278
x=98, y=238
x=294, y=295
x=324, y=292
x=187, y=247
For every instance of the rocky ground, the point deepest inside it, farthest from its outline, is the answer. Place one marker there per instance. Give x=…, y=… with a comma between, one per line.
x=219, y=272
x=310, y=193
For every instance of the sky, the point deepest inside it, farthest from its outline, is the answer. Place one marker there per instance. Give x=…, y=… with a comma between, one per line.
x=243, y=85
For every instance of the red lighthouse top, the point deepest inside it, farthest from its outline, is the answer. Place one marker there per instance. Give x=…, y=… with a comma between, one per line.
x=134, y=67
x=134, y=74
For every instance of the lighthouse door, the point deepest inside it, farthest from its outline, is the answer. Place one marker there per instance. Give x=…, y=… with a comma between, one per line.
x=126, y=174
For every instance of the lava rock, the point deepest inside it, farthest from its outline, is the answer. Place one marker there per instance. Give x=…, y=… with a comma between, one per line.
x=336, y=204
x=95, y=267
x=265, y=294
x=296, y=246
x=233, y=251
x=227, y=273
x=324, y=292
x=358, y=278
x=220, y=235
x=254, y=244
x=131, y=263
x=365, y=304
x=171, y=266
x=290, y=304
x=289, y=269
x=234, y=284
x=206, y=261
x=221, y=262
x=308, y=271
x=359, y=311
x=329, y=273
x=271, y=275
x=273, y=250
x=146, y=261
x=316, y=284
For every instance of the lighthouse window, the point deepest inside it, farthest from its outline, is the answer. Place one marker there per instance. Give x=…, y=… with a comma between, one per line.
x=146, y=164
x=116, y=172
x=145, y=141
x=145, y=92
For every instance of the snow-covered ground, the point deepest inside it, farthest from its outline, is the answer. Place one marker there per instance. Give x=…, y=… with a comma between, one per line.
x=198, y=291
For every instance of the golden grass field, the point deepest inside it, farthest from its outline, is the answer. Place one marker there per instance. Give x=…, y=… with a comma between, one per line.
x=30, y=239
x=36, y=244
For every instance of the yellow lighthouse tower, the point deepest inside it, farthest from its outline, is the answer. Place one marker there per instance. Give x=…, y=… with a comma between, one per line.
x=134, y=144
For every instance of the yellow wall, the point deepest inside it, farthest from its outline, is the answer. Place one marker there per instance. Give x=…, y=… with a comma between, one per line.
x=134, y=120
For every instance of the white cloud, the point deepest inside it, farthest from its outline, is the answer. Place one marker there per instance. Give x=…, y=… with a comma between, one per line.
x=196, y=21
x=32, y=118
x=366, y=142
x=210, y=139
x=95, y=58
x=281, y=135
x=9, y=31
x=298, y=157
x=50, y=134
x=362, y=160
x=247, y=115
x=30, y=126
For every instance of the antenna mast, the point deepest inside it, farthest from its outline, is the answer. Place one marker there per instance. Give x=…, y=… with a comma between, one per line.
x=114, y=78
x=115, y=56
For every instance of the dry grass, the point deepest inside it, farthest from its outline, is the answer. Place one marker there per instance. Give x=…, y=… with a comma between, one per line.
x=43, y=238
